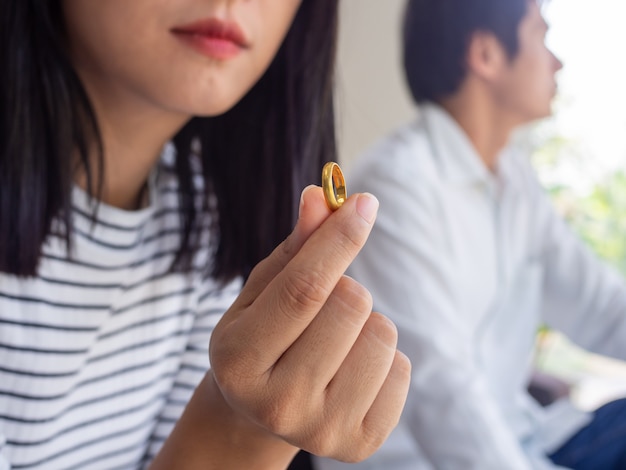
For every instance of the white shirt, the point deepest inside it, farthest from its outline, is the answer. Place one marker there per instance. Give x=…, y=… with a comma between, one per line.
x=469, y=265
x=101, y=352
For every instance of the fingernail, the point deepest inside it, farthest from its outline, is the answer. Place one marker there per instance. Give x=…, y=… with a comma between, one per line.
x=302, y=198
x=367, y=206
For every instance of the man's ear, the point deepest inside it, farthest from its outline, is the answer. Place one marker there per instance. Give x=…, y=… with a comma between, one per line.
x=486, y=57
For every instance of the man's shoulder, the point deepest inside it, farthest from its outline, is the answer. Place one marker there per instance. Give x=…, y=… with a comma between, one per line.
x=403, y=154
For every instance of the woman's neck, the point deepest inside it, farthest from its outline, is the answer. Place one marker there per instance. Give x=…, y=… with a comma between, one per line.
x=133, y=135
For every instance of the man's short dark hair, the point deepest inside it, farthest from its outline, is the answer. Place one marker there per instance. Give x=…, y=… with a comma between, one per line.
x=437, y=35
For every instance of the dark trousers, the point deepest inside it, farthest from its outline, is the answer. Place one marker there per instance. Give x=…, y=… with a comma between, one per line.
x=601, y=445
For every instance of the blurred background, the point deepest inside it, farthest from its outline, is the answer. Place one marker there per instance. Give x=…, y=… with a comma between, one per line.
x=579, y=154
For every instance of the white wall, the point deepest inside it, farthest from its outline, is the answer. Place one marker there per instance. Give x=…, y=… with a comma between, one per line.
x=371, y=93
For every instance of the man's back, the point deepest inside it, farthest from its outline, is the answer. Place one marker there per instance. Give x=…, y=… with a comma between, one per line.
x=458, y=260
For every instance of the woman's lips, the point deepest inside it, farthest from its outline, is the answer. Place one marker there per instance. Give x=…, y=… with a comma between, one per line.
x=213, y=38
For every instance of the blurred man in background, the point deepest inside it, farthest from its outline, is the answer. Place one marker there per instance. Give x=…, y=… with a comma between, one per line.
x=469, y=258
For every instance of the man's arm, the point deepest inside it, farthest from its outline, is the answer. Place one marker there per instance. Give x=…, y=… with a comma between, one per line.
x=584, y=297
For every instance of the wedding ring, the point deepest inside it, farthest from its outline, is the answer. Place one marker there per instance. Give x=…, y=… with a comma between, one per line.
x=334, y=186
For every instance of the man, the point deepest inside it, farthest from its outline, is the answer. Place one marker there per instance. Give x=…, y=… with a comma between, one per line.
x=469, y=258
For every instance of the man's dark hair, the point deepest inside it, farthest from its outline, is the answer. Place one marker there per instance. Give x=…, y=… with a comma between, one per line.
x=437, y=35
x=256, y=158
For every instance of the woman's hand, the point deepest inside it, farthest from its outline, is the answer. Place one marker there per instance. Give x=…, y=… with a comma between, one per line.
x=300, y=353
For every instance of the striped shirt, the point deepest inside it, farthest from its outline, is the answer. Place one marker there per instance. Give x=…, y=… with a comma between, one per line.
x=101, y=352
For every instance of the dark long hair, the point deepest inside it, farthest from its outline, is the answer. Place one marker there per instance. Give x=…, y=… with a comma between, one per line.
x=437, y=35
x=255, y=158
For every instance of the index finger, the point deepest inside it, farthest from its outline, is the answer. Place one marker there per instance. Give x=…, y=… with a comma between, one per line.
x=313, y=212
x=298, y=292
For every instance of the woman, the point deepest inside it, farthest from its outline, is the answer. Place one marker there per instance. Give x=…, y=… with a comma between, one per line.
x=150, y=157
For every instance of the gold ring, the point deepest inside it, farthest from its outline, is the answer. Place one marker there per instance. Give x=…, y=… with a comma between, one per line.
x=334, y=186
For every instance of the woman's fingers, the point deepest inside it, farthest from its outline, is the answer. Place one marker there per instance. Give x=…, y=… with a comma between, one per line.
x=313, y=212
x=379, y=376
x=333, y=331
x=300, y=353
x=300, y=290
x=384, y=414
x=361, y=404
x=292, y=299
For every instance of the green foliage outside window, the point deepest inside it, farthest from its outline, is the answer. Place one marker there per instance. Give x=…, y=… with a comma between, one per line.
x=592, y=201
x=599, y=217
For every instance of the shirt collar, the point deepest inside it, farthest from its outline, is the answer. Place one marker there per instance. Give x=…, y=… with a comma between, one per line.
x=458, y=159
